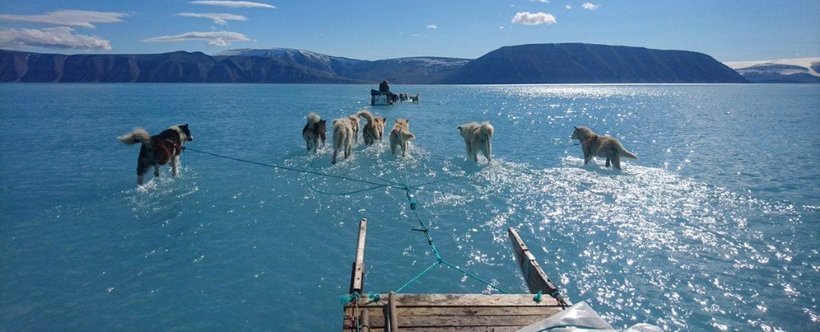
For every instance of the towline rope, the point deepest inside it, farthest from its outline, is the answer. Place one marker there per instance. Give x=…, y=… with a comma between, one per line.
x=375, y=185
x=411, y=200
x=294, y=169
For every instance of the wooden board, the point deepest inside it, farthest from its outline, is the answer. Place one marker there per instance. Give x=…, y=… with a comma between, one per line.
x=534, y=276
x=357, y=275
x=457, y=312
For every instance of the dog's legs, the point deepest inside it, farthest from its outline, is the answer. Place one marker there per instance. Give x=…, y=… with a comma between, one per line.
x=175, y=166
x=587, y=158
x=488, y=153
x=607, y=161
x=616, y=161
x=335, y=150
x=156, y=170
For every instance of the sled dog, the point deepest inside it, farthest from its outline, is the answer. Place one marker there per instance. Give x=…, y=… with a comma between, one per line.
x=477, y=138
x=602, y=146
x=159, y=149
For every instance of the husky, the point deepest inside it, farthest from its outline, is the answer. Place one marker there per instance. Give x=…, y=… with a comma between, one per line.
x=602, y=146
x=477, y=138
x=400, y=136
x=374, y=128
x=158, y=149
x=343, y=136
x=414, y=99
x=314, y=132
x=353, y=119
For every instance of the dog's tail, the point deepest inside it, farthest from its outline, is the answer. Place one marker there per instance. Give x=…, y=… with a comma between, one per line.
x=138, y=135
x=313, y=118
x=366, y=115
x=407, y=136
x=624, y=152
x=486, y=130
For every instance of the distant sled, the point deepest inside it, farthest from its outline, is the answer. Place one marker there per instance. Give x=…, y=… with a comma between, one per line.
x=381, y=98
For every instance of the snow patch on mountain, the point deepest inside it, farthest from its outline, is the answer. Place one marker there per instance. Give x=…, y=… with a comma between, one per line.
x=782, y=66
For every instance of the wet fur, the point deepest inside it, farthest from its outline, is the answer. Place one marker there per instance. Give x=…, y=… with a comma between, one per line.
x=602, y=146
x=159, y=149
x=400, y=136
x=477, y=138
x=374, y=128
x=343, y=136
x=314, y=132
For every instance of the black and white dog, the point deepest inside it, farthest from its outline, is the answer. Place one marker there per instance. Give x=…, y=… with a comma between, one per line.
x=158, y=149
x=314, y=132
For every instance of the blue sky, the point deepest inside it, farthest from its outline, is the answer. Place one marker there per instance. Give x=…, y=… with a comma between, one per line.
x=728, y=30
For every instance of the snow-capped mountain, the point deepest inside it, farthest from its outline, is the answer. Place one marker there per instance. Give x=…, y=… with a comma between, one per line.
x=798, y=70
x=401, y=70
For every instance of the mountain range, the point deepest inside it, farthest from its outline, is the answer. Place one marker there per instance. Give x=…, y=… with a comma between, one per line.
x=799, y=70
x=523, y=64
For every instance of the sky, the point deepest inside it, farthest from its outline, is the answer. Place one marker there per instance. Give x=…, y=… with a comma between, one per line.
x=728, y=30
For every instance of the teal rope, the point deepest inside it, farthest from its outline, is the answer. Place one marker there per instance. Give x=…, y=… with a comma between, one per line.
x=424, y=229
x=293, y=169
x=388, y=183
x=471, y=275
x=418, y=276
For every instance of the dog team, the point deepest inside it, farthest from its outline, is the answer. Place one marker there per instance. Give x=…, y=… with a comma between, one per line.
x=345, y=132
x=167, y=146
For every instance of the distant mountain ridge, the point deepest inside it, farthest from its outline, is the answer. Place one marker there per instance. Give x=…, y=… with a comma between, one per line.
x=418, y=70
x=590, y=63
x=798, y=70
x=523, y=64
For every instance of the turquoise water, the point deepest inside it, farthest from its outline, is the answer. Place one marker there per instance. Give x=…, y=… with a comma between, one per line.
x=714, y=227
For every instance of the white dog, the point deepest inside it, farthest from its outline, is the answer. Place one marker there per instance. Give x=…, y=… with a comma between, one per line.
x=343, y=136
x=477, y=138
x=401, y=136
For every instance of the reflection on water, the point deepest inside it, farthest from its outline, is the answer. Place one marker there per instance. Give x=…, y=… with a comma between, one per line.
x=714, y=227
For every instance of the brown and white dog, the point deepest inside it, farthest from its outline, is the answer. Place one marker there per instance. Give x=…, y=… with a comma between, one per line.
x=158, y=149
x=602, y=146
x=400, y=136
x=344, y=135
x=477, y=138
x=374, y=128
x=314, y=132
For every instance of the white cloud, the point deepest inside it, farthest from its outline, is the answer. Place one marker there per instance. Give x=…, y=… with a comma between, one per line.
x=501, y=27
x=568, y=7
x=432, y=26
x=59, y=37
x=590, y=6
x=74, y=18
x=527, y=18
x=215, y=38
x=233, y=4
x=221, y=19
x=541, y=1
